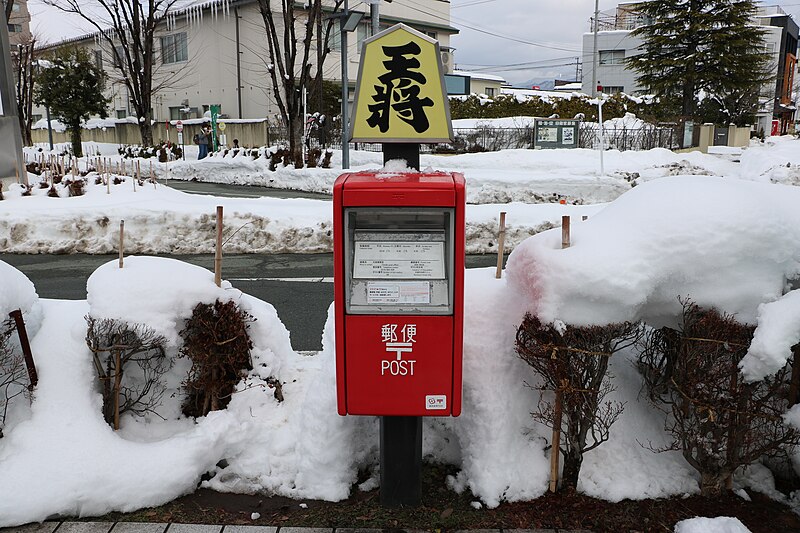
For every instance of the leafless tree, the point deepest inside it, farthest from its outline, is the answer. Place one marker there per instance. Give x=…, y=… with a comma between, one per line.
x=290, y=66
x=9, y=9
x=23, y=63
x=573, y=361
x=128, y=29
x=116, y=345
x=718, y=420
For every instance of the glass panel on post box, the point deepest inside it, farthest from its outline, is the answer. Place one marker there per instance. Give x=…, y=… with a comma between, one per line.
x=399, y=261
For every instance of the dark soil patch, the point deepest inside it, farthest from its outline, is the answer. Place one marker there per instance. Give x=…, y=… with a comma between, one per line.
x=444, y=510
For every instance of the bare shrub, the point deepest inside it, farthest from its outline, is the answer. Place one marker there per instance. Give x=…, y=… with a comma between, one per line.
x=573, y=362
x=717, y=420
x=118, y=348
x=12, y=372
x=216, y=341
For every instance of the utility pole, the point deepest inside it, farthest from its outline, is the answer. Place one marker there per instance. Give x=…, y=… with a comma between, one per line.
x=594, y=52
x=345, y=90
x=374, y=13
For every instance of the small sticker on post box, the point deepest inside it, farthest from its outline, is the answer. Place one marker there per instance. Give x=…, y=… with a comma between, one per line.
x=436, y=402
x=399, y=292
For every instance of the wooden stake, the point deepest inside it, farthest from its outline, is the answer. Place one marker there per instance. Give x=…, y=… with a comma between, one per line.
x=501, y=244
x=22, y=333
x=565, y=231
x=121, y=242
x=556, y=440
x=794, y=384
x=218, y=251
x=117, y=381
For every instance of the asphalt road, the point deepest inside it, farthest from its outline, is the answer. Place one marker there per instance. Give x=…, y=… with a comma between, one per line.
x=241, y=191
x=298, y=285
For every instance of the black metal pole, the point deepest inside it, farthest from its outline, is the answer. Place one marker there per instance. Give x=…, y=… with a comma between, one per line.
x=401, y=461
x=407, y=151
x=401, y=436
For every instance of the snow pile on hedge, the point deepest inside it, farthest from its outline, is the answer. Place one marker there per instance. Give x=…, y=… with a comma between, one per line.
x=17, y=292
x=722, y=524
x=67, y=460
x=729, y=244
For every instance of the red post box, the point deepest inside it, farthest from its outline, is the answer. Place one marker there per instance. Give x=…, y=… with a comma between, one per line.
x=399, y=293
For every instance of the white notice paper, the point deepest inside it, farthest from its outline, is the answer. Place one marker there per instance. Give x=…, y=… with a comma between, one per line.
x=398, y=260
x=398, y=292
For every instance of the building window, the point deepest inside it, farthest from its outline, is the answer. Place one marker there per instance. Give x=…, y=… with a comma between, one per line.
x=35, y=118
x=612, y=57
x=490, y=92
x=611, y=89
x=14, y=8
x=119, y=57
x=335, y=39
x=174, y=48
x=98, y=59
x=15, y=28
x=175, y=113
x=432, y=35
x=122, y=113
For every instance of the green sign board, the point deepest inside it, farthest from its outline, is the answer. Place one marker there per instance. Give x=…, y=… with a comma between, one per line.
x=215, y=109
x=555, y=133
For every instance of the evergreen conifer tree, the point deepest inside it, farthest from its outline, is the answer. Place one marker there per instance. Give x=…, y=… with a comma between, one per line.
x=72, y=86
x=702, y=50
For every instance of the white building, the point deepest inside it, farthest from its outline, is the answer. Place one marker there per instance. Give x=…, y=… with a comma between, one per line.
x=217, y=54
x=615, y=43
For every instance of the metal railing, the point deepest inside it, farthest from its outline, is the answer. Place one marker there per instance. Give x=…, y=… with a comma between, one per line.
x=489, y=139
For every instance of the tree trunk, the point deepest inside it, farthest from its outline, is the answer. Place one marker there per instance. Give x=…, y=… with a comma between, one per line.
x=75, y=138
x=713, y=484
x=572, y=468
x=146, y=131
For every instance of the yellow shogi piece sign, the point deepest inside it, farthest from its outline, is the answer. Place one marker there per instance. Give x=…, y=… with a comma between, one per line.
x=400, y=92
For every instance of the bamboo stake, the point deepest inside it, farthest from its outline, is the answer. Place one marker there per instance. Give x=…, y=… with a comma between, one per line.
x=501, y=244
x=121, y=242
x=218, y=251
x=556, y=441
x=565, y=231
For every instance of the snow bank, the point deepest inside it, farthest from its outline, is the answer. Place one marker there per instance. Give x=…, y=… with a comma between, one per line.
x=723, y=243
x=163, y=220
x=721, y=524
x=67, y=461
x=778, y=330
x=16, y=292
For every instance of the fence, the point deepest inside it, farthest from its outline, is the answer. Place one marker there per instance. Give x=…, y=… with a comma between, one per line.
x=481, y=139
x=488, y=139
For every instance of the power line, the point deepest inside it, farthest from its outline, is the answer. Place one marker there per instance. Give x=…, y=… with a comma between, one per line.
x=466, y=24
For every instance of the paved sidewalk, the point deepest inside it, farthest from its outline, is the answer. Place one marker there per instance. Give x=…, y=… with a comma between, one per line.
x=143, y=527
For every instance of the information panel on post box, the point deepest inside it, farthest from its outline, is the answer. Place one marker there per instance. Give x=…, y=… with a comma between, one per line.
x=393, y=270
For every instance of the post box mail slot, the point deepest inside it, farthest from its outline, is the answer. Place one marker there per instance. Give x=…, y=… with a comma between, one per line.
x=399, y=283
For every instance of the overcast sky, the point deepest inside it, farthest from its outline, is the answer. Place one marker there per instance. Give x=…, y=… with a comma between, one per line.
x=520, y=40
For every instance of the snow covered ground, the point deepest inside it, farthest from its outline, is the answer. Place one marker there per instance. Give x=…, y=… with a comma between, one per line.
x=527, y=184
x=727, y=236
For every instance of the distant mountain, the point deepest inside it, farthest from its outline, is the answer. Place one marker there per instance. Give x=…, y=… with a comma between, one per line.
x=545, y=85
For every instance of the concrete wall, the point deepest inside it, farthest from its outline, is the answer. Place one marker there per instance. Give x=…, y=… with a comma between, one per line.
x=250, y=134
